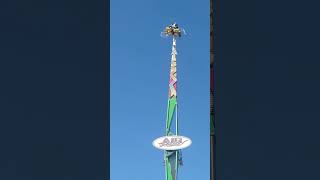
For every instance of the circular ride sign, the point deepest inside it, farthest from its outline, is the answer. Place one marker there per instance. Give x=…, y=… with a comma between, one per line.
x=172, y=142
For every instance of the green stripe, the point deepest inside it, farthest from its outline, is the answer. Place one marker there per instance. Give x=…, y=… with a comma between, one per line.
x=171, y=108
x=169, y=173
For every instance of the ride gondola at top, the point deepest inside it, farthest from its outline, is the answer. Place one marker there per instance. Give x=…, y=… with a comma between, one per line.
x=172, y=30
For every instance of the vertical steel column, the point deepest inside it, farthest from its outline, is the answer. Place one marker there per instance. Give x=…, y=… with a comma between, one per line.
x=212, y=114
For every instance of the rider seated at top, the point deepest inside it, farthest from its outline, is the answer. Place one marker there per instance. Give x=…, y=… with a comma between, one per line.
x=174, y=25
x=173, y=29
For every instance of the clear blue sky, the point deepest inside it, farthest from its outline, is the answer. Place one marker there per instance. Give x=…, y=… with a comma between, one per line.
x=139, y=71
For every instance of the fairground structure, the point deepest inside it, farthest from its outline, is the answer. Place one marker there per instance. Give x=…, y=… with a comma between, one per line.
x=172, y=143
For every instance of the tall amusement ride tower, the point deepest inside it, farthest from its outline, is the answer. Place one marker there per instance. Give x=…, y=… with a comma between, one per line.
x=172, y=143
